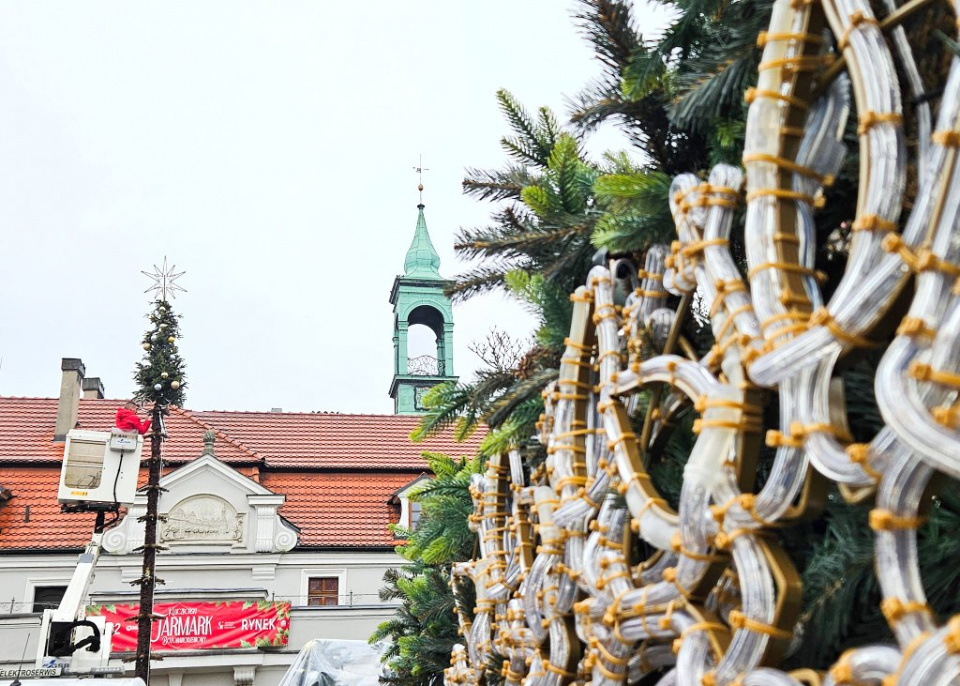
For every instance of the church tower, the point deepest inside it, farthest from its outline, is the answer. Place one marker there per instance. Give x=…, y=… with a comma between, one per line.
x=417, y=298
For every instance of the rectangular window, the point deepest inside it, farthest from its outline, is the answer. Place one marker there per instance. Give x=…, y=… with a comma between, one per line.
x=323, y=590
x=47, y=597
x=84, y=464
x=414, y=514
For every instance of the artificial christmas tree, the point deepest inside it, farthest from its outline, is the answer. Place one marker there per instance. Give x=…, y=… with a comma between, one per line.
x=160, y=381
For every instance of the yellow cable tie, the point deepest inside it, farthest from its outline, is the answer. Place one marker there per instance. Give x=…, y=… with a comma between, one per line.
x=791, y=298
x=837, y=432
x=947, y=416
x=569, y=342
x=885, y=520
x=784, y=194
x=556, y=670
x=606, y=672
x=928, y=262
x=842, y=672
x=699, y=246
x=651, y=503
x=787, y=237
x=787, y=267
x=620, y=439
x=856, y=19
x=742, y=425
x=792, y=315
x=924, y=372
x=894, y=609
x=571, y=480
x=576, y=384
x=712, y=627
x=748, y=503
x=754, y=93
x=788, y=165
x=822, y=317
x=947, y=138
x=952, y=638
x=892, y=243
x=873, y=222
x=676, y=544
x=723, y=540
x=792, y=65
x=666, y=621
x=777, y=439
x=608, y=353
x=569, y=396
x=765, y=37
x=738, y=620
x=575, y=432
x=870, y=118
x=915, y=327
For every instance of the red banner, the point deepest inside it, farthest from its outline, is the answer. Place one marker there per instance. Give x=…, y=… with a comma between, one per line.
x=201, y=626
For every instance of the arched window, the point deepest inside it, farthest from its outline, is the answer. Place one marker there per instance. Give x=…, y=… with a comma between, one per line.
x=425, y=342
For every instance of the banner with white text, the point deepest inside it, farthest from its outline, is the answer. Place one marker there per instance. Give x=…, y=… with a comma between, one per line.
x=201, y=626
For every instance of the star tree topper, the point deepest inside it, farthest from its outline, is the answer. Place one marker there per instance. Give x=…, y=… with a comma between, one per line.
x=164, y=280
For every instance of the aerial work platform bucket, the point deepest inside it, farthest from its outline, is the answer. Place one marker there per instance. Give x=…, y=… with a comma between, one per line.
x=100, y=467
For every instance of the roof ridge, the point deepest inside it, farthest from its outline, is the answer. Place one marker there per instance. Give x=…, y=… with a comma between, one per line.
x=24, y=397
x=309, y=414
x=217, y=432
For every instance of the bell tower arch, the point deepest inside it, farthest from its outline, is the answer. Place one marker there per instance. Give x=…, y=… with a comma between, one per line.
x=418, y=301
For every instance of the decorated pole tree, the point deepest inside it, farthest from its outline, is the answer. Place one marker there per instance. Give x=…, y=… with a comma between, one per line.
x=160, y=383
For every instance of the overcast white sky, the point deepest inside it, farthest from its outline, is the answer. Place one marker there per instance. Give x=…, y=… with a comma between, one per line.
x=267, y=149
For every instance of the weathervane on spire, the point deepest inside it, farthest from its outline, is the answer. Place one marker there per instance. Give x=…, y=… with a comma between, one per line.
x=164, y=280
x=419, y=169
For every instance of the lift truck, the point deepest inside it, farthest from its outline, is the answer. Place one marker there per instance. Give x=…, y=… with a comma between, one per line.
x=99, y=474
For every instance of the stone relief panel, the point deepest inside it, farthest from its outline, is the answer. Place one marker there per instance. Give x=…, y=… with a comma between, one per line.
x=208, y=504
x=205, y=519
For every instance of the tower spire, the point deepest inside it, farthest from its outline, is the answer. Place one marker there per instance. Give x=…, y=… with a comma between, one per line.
x=422, y=260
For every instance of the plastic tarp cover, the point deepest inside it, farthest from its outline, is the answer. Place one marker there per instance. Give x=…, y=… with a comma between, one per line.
x=329, y=662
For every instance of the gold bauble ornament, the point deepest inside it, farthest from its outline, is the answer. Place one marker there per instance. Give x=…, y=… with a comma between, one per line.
x=163, y=375
x=174, y=385
x=171, y=339
x=146, y=346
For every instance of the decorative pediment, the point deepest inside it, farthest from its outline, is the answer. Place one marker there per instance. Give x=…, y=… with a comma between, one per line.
x=206, y=505
x=203, y=518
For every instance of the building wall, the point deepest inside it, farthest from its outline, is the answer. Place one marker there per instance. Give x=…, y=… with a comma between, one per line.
x=280, y=577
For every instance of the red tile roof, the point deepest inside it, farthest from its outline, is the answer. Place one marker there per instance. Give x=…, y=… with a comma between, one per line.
x=276, y=439
x=338, y=471
x=335, y=441
x=45, y=527
x=26, y=431
x=339, y=509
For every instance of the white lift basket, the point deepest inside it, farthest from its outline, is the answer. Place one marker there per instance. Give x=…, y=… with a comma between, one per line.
x=100, y=467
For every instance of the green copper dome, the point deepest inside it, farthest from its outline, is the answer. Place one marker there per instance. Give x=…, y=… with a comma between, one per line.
x=422, y=260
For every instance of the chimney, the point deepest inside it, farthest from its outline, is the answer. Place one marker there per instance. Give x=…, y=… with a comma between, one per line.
x=92, y=388
x=69, y=405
